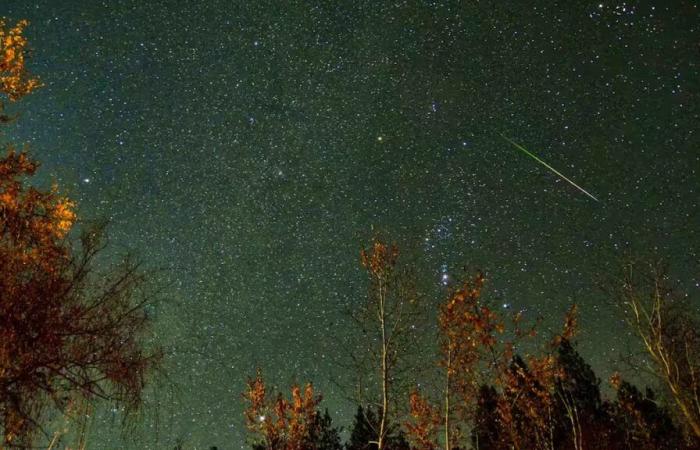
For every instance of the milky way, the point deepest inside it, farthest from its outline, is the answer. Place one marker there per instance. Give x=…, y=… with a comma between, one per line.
x=247, y=149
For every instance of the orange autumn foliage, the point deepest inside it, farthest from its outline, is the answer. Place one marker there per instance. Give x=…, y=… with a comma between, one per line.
x=528, y=390
x=15, y=82
x=424, y=422
x=66, y=332
x=479, y=350
x=470, y=343
x=380, y=259
x=63, y=333
x=33, y=222
x=472, y=350
x=280, y=423
x=525, y=408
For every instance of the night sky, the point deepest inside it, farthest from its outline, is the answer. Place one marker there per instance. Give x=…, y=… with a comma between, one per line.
x=248, y=149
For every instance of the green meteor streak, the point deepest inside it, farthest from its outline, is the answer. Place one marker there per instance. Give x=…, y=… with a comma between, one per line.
x=524, y=150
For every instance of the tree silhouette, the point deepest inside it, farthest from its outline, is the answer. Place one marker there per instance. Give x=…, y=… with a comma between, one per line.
x=486, y=433
x=641, y=423
x=365, y=424
x=323, y=436
x=546, y=400
x=362, y=430
x=68, y=332
x=578, y=397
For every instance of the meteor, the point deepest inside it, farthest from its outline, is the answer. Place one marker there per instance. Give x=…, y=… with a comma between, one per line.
x=524, y=150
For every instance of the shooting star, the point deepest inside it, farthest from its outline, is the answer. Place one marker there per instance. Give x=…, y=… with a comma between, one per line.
x=524, y=150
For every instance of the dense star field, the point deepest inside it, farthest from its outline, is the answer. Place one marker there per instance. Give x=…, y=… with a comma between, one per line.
x=248, y=149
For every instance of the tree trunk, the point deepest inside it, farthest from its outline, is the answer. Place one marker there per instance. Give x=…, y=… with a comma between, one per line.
x=447, y=400
x=384, y=369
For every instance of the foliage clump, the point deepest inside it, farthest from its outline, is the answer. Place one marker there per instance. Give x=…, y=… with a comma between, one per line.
x=68, y=332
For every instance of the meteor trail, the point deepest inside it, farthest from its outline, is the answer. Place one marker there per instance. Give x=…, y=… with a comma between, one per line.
x=524, y=150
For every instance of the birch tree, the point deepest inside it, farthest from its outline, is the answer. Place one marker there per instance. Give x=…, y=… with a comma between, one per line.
x=668, y=331
x=388, y=319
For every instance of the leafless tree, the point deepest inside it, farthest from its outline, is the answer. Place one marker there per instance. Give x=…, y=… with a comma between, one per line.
x=668, y=328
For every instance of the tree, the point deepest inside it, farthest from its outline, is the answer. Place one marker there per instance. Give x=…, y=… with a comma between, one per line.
x=279, y=423
x=388, y=319
x=633, y=420
x=526, y=403
x=641, y=423
x=68, y=332
x=472, y=353
x=323, y=435
x=467, y=331
x=668, y=331
x=424, y=422
x=15, y=81
x=364, y=428
x=578, y=396
x=506, y=400
x=486, y=433
x=362, y=432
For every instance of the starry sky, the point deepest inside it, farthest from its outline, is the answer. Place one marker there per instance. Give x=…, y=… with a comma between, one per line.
x=248, y=149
